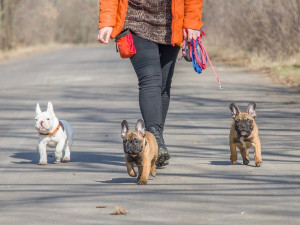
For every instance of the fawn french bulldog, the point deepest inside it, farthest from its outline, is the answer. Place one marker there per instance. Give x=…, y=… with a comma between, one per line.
x=141, y=149
x=244, y=134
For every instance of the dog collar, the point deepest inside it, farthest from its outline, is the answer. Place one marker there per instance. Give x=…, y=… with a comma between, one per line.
x=54, y=132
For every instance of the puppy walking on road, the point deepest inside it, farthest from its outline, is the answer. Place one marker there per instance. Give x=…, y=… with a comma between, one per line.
x=244, y=134
x=53, y=133
x=141, y=149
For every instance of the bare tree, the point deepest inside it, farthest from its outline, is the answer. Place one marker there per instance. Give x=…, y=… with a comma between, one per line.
x=2, y=26
x=8, y=23
x=269, y=28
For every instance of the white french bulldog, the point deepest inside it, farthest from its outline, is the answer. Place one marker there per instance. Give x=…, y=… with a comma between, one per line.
x=53, y=133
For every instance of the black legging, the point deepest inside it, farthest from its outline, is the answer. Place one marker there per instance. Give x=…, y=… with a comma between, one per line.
x=154, y=65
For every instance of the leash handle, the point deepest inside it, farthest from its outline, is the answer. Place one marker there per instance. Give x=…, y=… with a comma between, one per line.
x=186, y=50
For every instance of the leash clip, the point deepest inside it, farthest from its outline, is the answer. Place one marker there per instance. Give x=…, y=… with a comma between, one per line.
x=220, y=85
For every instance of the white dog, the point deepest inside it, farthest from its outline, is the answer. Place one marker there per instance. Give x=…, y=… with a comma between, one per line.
x=53, y=133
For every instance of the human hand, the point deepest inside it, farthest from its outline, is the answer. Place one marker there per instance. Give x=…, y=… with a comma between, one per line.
x=190, y=33
x=104, y=34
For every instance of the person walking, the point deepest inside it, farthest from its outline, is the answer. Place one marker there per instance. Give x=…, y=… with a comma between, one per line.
x=158, y=28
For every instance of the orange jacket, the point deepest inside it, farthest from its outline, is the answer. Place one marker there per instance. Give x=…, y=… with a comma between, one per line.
x=185, y=14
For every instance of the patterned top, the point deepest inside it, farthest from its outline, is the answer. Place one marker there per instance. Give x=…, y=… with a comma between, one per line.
x=150, y=19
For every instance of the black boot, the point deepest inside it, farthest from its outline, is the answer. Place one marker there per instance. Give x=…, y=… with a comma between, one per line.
x=163, y=155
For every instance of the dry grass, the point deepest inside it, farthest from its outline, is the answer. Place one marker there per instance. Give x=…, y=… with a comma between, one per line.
x=31, y=22
x=285, y=72
x=259, y=35
x=265, y=28
x=287, y=75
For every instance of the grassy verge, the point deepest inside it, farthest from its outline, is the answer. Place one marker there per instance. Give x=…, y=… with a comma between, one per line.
x=285, y=72
x=287, y=75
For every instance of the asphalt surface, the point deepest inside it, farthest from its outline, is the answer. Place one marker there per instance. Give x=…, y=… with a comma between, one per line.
x=95, y=90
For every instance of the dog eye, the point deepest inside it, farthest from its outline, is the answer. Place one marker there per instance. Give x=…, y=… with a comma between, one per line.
x=136, y=141
x=48, y=119
x=249, y=121
x=36, y=119
x=238, y=121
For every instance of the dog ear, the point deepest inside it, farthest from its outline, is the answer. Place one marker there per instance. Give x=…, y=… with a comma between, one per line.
x=251, y=109
x=140, y=127
x=124, y=128
x=50, y=109
x=234, y=110
x=38, y=109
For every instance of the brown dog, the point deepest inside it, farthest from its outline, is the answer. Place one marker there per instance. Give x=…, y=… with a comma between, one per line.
x=244, y=134
x=141, y=149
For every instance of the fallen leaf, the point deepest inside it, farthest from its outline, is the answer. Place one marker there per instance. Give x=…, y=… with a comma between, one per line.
x=119, y=211
x=101, y=206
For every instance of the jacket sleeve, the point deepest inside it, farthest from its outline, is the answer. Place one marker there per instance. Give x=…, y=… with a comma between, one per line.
x=193, y=14
x=108, y=13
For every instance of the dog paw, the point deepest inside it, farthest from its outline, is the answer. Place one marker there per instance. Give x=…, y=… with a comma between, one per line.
x=153, y=174
x=245, y=162
x=132, y=173
x=258, y=164
x=57, y=161
x=141, y=182
x=66, y=159
x=233, y=162
x=42, y=163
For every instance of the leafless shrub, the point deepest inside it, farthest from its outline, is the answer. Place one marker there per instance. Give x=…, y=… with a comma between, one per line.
x=77, y=21
x=270, y=28
x=263, y=27
x=31, y=22
x=35, y=23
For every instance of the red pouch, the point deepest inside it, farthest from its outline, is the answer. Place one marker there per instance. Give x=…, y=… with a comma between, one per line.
x=125, y=44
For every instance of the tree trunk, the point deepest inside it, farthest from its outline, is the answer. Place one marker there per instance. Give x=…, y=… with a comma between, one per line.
x=2, y=26
x=10, y=26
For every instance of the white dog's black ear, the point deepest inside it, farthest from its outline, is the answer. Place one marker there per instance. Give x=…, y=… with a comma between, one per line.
x=38, y=109
x=234, y=110
x=140, y=127
x=124, y=128
x=50, y=109
x=251, y=109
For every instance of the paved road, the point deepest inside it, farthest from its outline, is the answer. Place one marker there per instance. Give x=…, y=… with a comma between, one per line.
x=95, y=90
